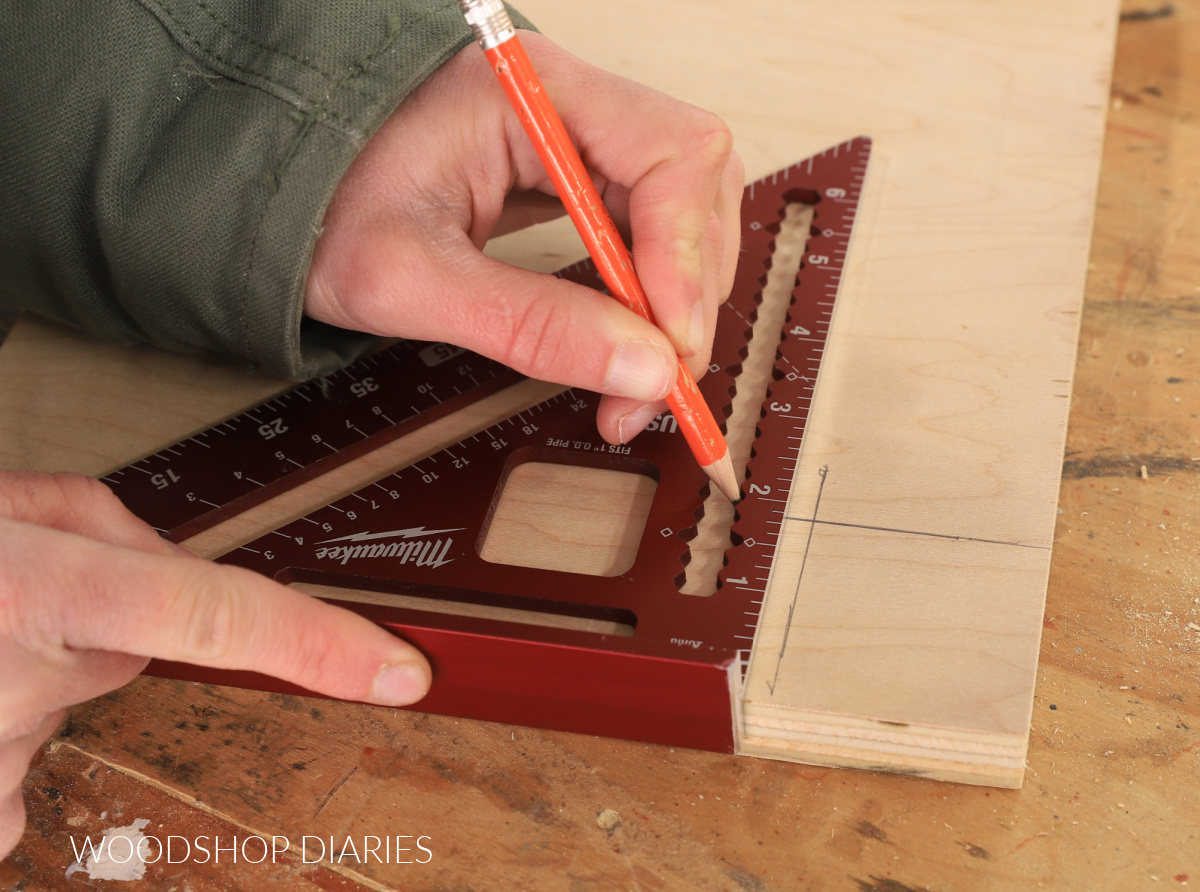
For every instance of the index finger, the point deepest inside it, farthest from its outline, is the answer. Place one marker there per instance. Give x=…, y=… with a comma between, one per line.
x=83, y=594
x=676, y=163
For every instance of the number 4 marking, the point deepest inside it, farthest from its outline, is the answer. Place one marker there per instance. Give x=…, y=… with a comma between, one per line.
x=800, y=331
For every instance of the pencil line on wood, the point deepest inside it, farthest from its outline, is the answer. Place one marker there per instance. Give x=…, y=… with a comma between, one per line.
x=864, y=526
x=812, y=525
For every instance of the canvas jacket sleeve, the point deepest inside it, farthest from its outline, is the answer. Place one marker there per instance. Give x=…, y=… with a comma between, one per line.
x=165, y=164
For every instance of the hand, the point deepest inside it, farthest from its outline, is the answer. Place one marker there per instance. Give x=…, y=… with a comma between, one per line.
x=400, y=255
x=88, y=592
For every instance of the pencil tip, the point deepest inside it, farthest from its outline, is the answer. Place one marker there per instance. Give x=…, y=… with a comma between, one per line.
x=721, y=473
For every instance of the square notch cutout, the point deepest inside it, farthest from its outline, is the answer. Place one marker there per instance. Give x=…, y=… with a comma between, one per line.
x=571, y=512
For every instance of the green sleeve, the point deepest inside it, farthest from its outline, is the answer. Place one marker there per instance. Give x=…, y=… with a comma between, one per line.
x=165, y=164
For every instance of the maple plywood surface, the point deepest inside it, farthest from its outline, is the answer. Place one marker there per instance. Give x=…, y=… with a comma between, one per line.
x=936, y=433
x=1110, y=798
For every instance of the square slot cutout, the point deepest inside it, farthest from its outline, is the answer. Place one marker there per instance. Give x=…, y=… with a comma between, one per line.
x=568, y=517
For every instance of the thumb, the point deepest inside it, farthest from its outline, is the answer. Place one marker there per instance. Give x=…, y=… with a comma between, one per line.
x=109, y=598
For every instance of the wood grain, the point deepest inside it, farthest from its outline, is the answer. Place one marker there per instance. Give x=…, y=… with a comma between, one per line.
x=70, y=403
x=570, y=519
x=901, y=622
x=1110, y=800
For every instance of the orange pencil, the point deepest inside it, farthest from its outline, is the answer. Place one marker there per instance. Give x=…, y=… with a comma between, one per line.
x=493, y=28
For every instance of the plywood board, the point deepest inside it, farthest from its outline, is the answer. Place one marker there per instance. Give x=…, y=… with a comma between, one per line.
x=911, y=601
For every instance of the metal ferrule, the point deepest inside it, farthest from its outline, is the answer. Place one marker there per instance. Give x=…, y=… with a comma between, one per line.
x=488, y=20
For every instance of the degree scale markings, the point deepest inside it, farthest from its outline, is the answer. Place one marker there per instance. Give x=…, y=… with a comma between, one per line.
x=283, y=441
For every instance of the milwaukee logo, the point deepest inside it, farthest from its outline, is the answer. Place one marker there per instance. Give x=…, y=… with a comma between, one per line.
x=422, y=553
x=410, y=533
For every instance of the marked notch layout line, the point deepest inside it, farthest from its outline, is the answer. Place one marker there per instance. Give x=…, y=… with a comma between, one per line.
x=951, y=536
x=787, y=629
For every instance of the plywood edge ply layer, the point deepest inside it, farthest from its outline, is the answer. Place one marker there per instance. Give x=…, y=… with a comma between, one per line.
x=815, y=743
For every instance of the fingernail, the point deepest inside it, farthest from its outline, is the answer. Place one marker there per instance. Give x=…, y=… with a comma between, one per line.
x=695, y=330
x=639, y=370
x=632, y=424
x=400, y=684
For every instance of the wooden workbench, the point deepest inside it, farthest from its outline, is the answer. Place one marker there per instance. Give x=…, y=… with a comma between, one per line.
x=1112, y=794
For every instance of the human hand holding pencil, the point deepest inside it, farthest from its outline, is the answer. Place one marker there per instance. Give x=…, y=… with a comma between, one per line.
x=496, y=35
x=400, y=250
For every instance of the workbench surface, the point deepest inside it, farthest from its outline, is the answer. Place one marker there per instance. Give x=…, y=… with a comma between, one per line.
x=1111, y=798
